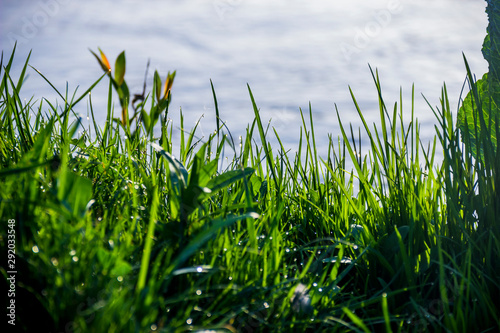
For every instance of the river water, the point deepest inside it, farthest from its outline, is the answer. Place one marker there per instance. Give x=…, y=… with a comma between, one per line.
x=291, y=53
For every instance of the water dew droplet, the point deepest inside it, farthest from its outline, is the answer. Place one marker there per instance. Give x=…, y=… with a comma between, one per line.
x=35, y=249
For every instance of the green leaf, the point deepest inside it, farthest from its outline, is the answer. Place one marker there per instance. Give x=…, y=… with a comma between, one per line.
x=74, y=191
x=469, y=121
x=178, y=173
x=120, y=68
x=157, y=84
x=491, y=45
x=355, y=319
x=204, y=236
x=222, y=181
x=479, y=112
x=121, y=268
x=145, y=120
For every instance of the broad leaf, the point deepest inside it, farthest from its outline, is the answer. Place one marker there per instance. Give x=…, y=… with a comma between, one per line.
x=120, y=68
x=477, y=117
x=471, y=125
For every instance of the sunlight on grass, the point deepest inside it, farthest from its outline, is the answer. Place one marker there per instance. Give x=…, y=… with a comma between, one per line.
x=115, y=233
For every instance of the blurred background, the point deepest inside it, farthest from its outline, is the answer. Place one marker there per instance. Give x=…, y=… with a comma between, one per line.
x=291, y=53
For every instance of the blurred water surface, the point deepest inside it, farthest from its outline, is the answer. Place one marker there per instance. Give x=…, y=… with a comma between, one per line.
x=291, y=53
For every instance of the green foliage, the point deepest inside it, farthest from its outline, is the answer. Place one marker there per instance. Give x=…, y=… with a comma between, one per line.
x=116, y=233
x=480, y=111
x=162, y=95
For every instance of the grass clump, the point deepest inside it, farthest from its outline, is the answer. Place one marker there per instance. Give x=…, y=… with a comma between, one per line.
x=114, y=233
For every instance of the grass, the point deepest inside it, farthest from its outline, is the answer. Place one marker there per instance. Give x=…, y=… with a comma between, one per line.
x=113, y=233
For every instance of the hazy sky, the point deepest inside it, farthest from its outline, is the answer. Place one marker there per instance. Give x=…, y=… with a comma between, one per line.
x=290, y=52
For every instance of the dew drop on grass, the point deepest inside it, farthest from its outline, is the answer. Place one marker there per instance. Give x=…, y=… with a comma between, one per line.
x=315, y=284
x=72, y=252
x=119, y=278
x=266, y=305
x=54, y=261
x=198, y=292
x=154, y=327
x=199, y=269
x=287, y=250
x=209, y=314
x=35, y=249
x=75, y=258
x=230, y=278
x=189, y=321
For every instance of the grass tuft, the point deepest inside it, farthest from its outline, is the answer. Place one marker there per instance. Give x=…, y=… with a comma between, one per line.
x=114, y=233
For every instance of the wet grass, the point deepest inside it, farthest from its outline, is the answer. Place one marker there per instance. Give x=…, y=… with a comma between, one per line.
x=115, y=234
